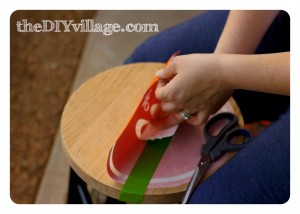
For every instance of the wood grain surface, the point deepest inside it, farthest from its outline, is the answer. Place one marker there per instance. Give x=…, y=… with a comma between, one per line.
x=93, y=119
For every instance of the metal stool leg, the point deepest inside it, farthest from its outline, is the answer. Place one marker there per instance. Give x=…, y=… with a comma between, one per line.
x=78, y=193
x=110, y=200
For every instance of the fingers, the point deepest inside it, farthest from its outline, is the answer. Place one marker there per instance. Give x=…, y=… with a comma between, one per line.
x=199, y=119
x=167, y=73
x=169, y=121
x=169, y=107
x=176, y=118
x=176, y=94
x=161, y=93
x=164, y=90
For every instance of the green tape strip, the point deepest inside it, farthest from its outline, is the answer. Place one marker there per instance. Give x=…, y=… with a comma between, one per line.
x=136, y=184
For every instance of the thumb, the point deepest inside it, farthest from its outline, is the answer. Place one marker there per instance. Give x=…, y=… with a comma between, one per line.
x=167, y=73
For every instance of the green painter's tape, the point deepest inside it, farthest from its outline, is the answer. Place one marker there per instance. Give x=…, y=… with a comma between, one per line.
x=136, y=184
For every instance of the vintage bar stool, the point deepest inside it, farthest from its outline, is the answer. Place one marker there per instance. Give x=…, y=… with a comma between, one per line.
x=92, y=119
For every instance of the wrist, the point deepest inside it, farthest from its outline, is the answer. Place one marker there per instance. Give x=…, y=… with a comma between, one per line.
x=224, y=72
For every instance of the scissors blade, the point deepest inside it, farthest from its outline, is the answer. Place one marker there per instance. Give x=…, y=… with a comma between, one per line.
x=198, y=174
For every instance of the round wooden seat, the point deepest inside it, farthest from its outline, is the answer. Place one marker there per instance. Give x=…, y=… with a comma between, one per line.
x=93, y=119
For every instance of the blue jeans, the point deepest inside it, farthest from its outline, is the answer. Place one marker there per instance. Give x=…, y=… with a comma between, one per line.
x=260, y=172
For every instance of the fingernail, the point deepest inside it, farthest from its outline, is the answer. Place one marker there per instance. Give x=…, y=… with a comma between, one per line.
x=159, y=73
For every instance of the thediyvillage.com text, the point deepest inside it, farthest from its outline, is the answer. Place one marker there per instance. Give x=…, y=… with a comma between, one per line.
x=85, y=25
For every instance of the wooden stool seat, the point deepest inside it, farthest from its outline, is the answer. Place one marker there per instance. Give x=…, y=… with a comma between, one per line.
x=94, y=117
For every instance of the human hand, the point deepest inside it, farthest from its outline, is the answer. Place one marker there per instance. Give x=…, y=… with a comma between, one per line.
x=193, y=84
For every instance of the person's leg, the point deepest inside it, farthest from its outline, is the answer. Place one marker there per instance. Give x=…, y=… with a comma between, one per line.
x=197, y=35
x=201, y=34
x=259, y=173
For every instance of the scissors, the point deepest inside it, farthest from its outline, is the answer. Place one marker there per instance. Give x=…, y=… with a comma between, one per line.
x=217, y=144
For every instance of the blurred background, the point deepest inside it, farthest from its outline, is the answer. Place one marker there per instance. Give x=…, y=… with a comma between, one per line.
x=45, y=69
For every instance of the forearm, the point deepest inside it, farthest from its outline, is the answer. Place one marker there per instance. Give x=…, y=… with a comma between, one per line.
x=268, y=73
x=244, y=30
